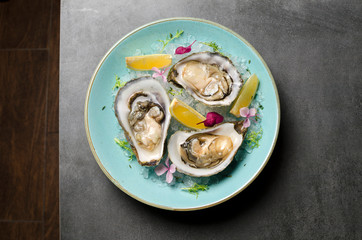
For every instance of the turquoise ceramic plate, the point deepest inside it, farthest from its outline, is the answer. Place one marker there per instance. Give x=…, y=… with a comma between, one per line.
x=102, y=126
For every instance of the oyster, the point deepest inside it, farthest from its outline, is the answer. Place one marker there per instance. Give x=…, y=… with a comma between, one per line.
x=206, y=152
x=141, y=107
x=209, y=77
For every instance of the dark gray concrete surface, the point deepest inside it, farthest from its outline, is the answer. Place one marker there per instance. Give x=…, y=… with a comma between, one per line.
x=311, y=187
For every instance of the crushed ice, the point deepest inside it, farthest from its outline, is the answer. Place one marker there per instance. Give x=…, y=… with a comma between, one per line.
x=180, y=180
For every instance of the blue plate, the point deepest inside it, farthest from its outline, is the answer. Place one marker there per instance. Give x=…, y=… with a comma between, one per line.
x=101, y=124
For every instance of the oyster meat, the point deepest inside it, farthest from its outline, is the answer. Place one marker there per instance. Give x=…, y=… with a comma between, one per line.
x=142, y=109
x=209, y=77
x=208, y=151
x=205, y=150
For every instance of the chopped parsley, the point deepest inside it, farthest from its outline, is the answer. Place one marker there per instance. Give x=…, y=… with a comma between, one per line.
x=104, y=107
x=249, y=61
x=119, y=83
x=174, y=92
x=169, y=38
x=196, y=188
x=125, y=145
x=252, y=138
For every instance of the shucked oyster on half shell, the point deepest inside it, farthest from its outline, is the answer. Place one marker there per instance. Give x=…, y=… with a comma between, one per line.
x=209, y=77
x=206, y=152
x=142, y=110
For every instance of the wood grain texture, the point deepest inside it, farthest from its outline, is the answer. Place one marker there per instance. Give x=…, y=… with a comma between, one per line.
x=24, y=24
x=23, y=77
x=51, y=207
x=29, y=73
x=20, y=230
x=51, y=201
x=53, y=87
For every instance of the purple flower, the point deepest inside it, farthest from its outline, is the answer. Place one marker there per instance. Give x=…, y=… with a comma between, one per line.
x=183, y=50
x=212, y=118
x=247, y=114
x=159, y=73
x=161, y=169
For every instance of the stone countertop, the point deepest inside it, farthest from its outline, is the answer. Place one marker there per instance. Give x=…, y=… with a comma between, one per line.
x=311, y=187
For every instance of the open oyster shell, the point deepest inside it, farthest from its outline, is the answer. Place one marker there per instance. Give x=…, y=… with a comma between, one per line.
x=142, y=110
x=206, y=152
x=209, y=77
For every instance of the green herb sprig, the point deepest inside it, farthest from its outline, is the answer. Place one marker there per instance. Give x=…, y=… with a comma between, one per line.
x=169, y=38
x=175, y=92
x=119, y=83
x=214, y=46
x=252, y=138
x=196, y=188
x=125, y=145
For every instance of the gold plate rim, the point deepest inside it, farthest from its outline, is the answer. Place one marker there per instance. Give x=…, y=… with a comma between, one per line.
x=115, y=182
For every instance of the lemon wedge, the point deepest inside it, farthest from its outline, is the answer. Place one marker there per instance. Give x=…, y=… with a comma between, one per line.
x=186, y=115
x=246, y=95
x=147, y=62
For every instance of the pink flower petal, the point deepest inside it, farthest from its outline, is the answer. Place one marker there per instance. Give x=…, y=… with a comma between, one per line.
x=159, y=73
x=169, y=177
x=244, y=112
x=167, y=162
x=172, y=168
x=252, y=112
x=246, y=123
x=156, y=70
x=164, y=78
x=160, y=169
